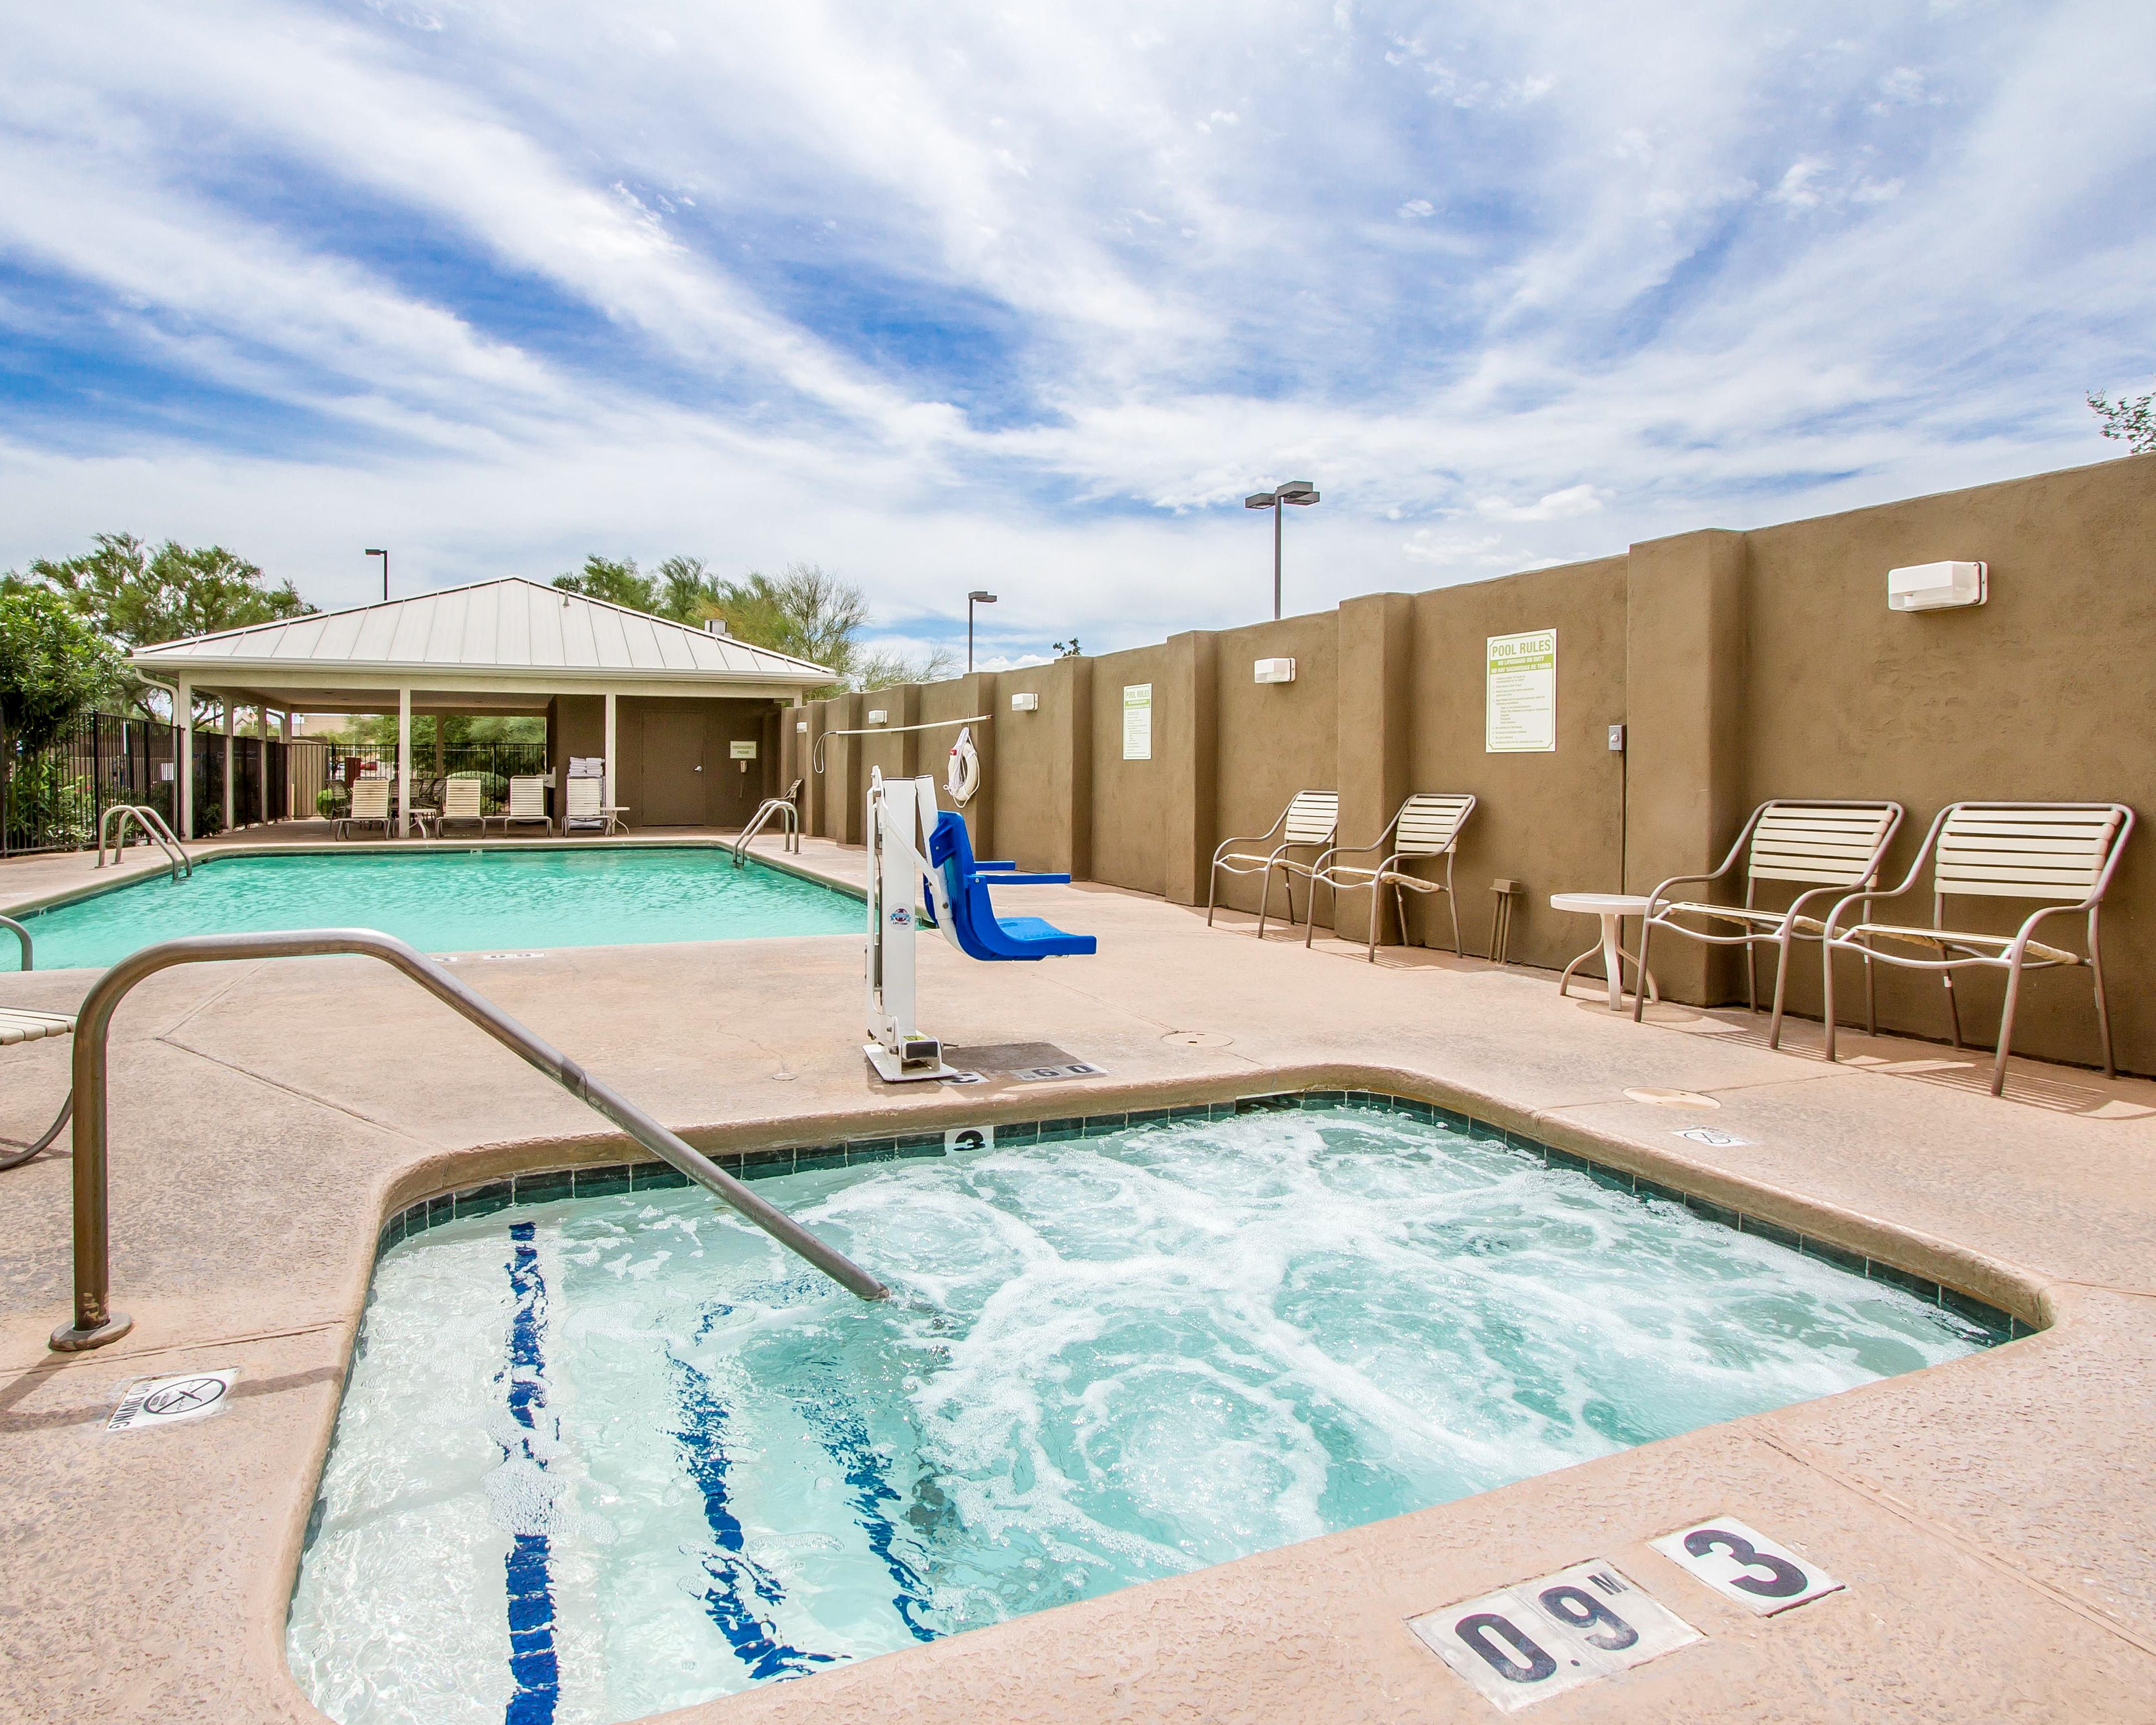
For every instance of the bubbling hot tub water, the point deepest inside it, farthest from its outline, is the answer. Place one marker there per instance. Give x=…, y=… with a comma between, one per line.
x=610, y=1456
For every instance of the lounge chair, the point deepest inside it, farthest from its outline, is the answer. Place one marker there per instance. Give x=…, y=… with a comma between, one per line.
x=1309, y=822
x=2060, y=856
x=461, y=800
x=527, y=804
x=19, y=1024
x=370, y=807
x=1827, y=847
x=1426, y=827
x=583, y=804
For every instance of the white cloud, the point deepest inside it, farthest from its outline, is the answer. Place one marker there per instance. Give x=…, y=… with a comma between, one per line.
x=1031, y=297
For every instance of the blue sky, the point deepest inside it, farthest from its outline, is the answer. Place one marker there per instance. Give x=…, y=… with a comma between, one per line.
x=952, y=295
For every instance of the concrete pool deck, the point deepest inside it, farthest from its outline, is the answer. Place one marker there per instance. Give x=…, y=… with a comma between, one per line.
x=1992, y=1518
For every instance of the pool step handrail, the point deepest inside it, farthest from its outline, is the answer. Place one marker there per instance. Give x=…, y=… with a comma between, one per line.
x=780, y=808
x=22, y=934
x=153, y=828
x=95, y=1323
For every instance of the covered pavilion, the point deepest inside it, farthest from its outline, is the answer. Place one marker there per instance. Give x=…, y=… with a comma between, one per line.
x=686, y=718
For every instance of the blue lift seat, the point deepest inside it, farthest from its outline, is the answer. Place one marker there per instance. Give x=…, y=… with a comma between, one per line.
x=981, y=933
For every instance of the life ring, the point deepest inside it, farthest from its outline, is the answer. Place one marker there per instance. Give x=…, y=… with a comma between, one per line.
x=963, y=778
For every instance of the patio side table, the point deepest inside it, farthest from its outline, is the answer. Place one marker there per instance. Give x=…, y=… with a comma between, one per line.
x=1612, y=907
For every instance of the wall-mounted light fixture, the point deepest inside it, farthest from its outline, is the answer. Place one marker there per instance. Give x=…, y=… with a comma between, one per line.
x=1276, y=670
x=1936, y=586
x=1025, y=703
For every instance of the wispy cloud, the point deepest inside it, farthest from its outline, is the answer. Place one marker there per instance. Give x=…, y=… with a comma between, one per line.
x=1032, y=296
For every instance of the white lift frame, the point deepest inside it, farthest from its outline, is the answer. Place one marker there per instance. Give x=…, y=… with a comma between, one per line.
x=901, y=815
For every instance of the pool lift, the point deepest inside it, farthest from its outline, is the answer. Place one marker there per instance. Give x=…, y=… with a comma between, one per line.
x=922, y=868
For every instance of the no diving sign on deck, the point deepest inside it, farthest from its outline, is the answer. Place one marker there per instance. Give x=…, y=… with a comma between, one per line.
x=172, y=1401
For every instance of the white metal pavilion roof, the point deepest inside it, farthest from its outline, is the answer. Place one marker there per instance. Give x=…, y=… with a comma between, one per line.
x=501, y=639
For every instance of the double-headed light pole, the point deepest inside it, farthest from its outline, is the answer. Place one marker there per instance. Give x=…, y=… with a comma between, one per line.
x=1301, y=492
x=977, y=597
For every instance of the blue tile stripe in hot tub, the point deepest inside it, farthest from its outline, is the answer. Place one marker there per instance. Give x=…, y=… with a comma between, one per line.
x=740, y=1585
x=843, y=1434
x=533, y=1664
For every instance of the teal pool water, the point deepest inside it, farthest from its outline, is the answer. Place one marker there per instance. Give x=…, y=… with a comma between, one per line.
x=459, y=902
x=618, y=1454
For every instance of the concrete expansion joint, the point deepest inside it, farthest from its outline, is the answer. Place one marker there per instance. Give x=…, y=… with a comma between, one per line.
x=292, y=1090
x=52, y=1365
x=1933, y=1526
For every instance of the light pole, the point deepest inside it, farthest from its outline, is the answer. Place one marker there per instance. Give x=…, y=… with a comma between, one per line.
x=975, y=598
x=1295, y=491
x=375, y=552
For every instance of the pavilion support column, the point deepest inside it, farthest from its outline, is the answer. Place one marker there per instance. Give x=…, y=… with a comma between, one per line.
x=225, y=704
x=262, y=773
x=605, y=781
x=404, y=763
x=184, y=759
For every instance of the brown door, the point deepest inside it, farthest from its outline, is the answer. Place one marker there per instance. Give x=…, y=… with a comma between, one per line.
x=674, y=769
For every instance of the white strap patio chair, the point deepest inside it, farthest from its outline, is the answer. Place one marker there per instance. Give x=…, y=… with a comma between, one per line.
x=2061, y=855
x=1825, y=847
x=19, y=1023
x=370, y=807
x=527, y=806
x=1309, y=822
x=1426, y=828
x=583, y=804
x=462, y=799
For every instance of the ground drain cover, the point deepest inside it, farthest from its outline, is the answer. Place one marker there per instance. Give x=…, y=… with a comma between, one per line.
x=1200, y=1038
x=1657, y=1098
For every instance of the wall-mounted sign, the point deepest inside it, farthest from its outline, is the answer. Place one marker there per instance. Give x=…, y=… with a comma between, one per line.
x=741, y=751
x=1521, y=714
x=1137, y=721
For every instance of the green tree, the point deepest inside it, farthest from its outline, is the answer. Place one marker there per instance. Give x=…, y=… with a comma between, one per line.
x=54, y=665
x=617, y=581
x=137, y=596
x=2130, y=420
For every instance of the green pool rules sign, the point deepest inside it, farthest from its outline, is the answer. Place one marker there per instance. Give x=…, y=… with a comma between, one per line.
x=1520, y=714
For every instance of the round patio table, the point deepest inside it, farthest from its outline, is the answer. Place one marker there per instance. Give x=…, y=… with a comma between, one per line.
x=1613, y=908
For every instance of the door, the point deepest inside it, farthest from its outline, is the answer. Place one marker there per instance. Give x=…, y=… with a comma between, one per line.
x=674, y=766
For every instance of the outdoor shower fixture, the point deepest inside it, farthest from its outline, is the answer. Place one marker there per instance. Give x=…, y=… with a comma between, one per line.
x=1301, y=492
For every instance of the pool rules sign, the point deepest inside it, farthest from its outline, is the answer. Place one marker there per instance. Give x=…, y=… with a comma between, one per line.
x=1520, y=714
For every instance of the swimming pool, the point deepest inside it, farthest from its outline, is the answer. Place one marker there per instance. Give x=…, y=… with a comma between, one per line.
x=618, y=1454
x=453, y=902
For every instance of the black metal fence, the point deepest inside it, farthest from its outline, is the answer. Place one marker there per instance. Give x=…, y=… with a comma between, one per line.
x=54, y=799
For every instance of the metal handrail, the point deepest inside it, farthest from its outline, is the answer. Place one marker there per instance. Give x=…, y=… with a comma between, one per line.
x=772, y=806
x=95, y=1323
x=17, y=1154
x=153, y=828
x=22, y=934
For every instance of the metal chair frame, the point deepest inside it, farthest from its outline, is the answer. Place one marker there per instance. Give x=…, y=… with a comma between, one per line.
x=2062, y=852
x=1451, y=808
x=1786, y=839
x=34, y=1027
x=1309, y=822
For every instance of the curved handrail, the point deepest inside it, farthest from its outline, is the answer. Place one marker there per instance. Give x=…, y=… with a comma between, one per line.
x=95, y=1323
x=154, y=829
x=22, y=934
x=165, y=833
x=772, y=806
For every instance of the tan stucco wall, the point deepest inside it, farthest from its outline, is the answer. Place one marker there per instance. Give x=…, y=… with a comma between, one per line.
x=1743, y=665
x=730, y=795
